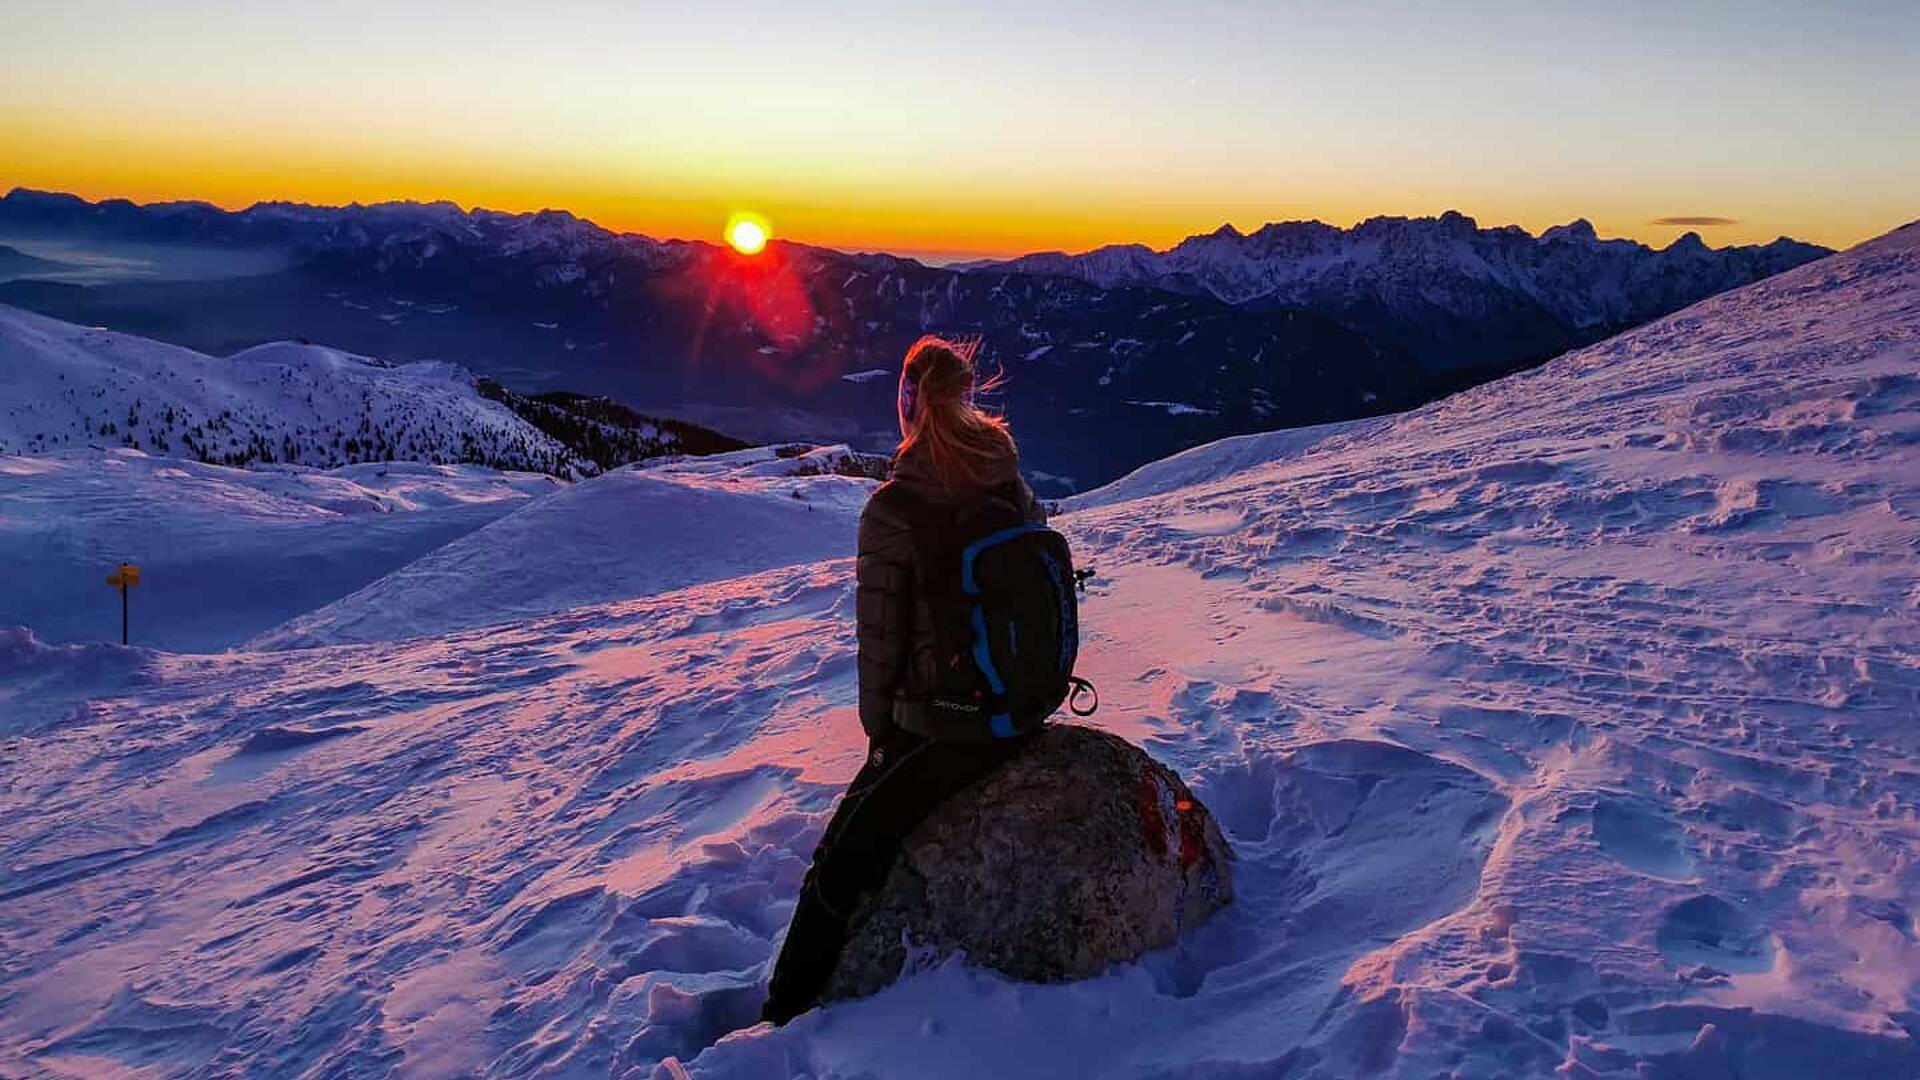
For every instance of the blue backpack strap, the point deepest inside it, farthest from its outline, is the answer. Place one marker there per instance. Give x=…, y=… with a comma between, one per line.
x=973, y=550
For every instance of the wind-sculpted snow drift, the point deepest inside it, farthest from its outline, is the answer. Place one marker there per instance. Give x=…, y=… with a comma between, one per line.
x=1564, y=726
x=636, y=531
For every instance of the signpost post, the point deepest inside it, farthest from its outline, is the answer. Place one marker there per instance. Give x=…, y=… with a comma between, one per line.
x=123, y=579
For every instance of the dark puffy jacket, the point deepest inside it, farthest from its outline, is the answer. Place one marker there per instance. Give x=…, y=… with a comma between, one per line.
x=895, y=627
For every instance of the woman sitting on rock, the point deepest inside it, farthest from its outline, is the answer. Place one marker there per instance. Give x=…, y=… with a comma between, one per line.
x=956, y=504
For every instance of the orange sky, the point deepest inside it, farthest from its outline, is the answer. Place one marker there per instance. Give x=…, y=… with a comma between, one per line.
x=1048, y=125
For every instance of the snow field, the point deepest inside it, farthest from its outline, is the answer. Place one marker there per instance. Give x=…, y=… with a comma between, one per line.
x=225, y=553
x=639, y=530
x=1562, y=728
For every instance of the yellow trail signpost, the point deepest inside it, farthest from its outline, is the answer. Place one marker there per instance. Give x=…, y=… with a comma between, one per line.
x=123, y=579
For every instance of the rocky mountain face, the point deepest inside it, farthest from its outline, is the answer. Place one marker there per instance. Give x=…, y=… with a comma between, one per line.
x=1445, y=289
x=605, y=433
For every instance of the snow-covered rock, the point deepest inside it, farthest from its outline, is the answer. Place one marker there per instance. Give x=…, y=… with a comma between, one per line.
x=1079, y=854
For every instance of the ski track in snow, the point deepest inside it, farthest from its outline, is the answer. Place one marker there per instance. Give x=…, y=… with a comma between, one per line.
x=1562, y=725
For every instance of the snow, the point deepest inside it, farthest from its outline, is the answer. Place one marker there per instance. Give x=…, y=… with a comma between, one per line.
x=633, y=532
x=1563, y=727
x=1213, y=461
x=66, y=387
x=225, y=553
x=1174, y=408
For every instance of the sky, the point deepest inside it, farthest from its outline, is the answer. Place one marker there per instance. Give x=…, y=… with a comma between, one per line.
x=988, y=128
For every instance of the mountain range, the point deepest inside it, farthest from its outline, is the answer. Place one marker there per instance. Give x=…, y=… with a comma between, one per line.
x=1443, y=288
x=1113, y=359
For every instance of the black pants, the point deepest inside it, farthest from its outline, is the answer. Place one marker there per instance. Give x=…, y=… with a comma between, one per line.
x=906, y=777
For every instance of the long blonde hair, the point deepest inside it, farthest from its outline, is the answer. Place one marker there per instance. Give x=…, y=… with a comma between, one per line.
x=967, y=446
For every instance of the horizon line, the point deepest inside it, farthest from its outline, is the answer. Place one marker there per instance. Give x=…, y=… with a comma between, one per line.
x=937, y=257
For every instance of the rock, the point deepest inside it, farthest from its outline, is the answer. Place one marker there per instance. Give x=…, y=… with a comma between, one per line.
x=1081, y=853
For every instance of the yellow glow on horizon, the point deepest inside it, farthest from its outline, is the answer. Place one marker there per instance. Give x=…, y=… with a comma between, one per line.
x=1056, y=132
x=747, y=233
x=979, y=212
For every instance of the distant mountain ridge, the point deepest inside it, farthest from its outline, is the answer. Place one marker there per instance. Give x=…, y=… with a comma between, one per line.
x=14, y=261
x=1113, y=359
x=302, y=224
x=1445, y=280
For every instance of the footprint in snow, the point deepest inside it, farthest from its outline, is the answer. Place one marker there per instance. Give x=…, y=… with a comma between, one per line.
x=1710, y=932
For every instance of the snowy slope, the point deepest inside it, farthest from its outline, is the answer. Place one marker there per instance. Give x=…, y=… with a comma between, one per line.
x=632, y=532
x=225, y=553
x=66, y=387
x=1563, y=728
x=1213, y=461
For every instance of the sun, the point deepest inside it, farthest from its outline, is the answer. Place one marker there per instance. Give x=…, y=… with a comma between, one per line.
x=747, y=233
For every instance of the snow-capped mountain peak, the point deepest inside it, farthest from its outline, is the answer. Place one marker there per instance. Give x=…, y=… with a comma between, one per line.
x=1577, y=231
x=1443, y=274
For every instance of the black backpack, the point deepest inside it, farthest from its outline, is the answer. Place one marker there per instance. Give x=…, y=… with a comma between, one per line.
x=1006, y=619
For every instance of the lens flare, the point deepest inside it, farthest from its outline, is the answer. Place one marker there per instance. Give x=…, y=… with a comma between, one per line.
x=747, y=233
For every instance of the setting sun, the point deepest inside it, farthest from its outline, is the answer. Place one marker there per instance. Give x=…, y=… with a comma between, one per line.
x=747, y=233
